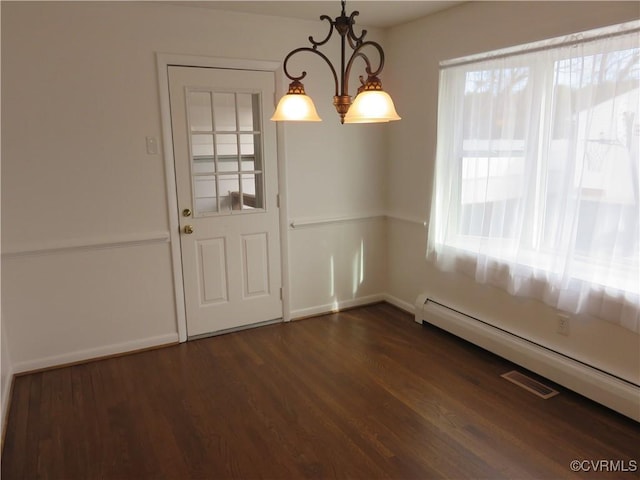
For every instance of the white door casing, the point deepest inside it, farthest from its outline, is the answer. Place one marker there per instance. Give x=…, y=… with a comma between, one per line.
x=225, y=156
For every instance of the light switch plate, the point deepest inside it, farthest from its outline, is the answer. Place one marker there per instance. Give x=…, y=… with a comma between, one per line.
x=152, y=146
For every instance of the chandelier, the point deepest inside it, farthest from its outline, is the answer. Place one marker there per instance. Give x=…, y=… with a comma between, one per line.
x=371, y=104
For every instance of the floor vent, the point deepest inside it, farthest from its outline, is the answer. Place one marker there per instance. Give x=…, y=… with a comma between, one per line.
x=530, y=384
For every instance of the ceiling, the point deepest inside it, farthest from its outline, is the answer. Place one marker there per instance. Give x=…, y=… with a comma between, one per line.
x=373, y=13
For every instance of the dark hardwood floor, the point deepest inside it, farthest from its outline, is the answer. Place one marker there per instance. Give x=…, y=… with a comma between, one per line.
x=365, y=393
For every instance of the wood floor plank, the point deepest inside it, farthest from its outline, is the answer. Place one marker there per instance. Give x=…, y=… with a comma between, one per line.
x=366, y=393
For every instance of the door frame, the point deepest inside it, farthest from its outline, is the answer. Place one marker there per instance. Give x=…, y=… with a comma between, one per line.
x=164, y=61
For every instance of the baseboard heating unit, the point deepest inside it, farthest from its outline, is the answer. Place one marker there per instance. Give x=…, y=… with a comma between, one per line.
x=614, y=392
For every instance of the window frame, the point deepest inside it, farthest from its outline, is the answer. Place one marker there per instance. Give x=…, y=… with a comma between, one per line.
x=586, y=267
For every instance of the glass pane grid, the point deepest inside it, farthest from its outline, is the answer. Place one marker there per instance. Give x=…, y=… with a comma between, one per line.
x=226, y=152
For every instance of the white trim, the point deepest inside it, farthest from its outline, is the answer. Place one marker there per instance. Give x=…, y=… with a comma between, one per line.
x=283, y=202
x=95, y=353
x=313, y=222
x=164, y=60
x=184, y=60
x=317, y=221
x=401, y=304
x=556, y=42
x=336, y=306
x=241, y=328
x=595, y=384
x=407, y=219
x=7, y=390
x=67, y=246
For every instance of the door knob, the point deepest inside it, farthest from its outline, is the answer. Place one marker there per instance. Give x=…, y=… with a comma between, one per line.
x=188, y=229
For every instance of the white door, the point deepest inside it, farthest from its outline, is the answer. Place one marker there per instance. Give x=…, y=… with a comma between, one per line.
x=227, y=188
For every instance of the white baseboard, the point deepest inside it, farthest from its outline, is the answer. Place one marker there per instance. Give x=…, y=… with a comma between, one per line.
x=401, y=304
x=94, y=353
x=595, y=384
x=6, y=401
x=335, y=306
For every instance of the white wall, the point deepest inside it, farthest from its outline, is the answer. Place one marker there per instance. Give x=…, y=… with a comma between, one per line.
x=348, y=269
x=414, y=51
x=6, y=366
x=86, y=260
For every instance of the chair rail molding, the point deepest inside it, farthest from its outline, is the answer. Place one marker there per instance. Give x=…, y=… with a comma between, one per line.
x=79, y=244
x=318, y=221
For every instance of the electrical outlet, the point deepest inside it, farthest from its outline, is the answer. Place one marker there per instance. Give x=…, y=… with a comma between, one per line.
x=563, y=325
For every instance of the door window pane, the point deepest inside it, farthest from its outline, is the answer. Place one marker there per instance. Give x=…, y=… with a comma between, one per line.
x=229, y=192
x=227, y=150
x=227, y=165
x=203, y=165
x=252, y=194
x=248, y=149
x=202, y=154
x=224, y=110
x=205, y=193
x=227, y=145
x=202, y=145
x=247, y=111
x=200, y=111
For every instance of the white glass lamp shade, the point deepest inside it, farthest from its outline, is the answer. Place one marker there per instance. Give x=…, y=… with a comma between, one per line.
x=371, y=106
x=296, y=107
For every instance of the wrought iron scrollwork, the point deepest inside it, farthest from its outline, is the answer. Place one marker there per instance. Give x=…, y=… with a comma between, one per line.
x=344, y=26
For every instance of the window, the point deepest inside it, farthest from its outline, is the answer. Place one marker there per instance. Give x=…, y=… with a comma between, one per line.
x=536, y=186
x=226, y=148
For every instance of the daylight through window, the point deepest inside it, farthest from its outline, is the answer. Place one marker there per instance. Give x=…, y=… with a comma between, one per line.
x=536, y=187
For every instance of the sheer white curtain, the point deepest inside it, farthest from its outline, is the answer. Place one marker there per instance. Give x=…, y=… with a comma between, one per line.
x=536, y=184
